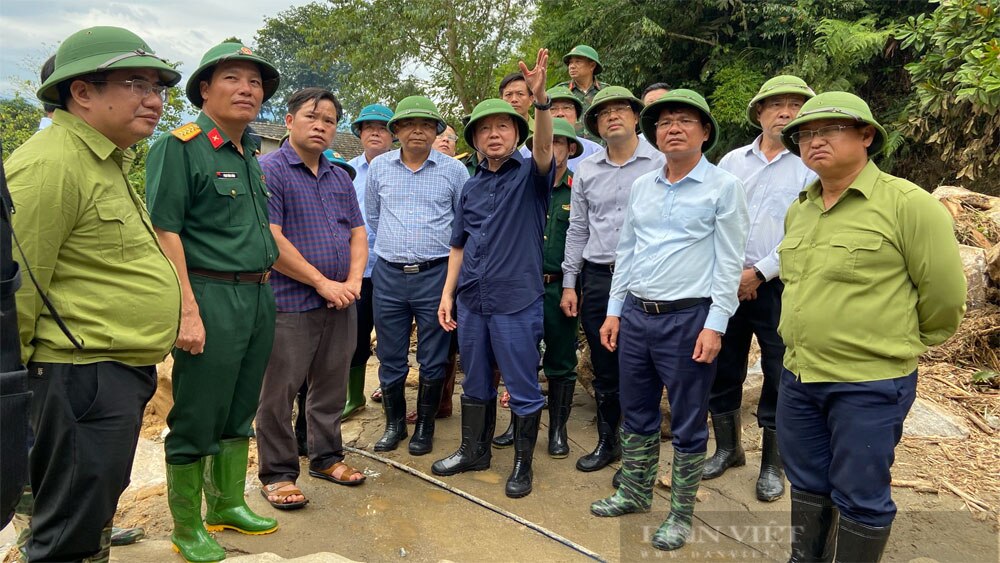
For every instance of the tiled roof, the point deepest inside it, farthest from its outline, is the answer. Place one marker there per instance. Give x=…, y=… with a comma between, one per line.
x=345, y=142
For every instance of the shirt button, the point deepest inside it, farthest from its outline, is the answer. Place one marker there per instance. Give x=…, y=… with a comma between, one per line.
x=232, y=192
x=545, y=237
x=813, y=245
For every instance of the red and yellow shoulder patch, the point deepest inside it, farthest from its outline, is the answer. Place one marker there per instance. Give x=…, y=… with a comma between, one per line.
x=186, y=132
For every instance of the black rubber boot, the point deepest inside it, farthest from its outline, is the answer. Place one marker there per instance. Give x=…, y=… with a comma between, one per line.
x=560, y=404
x=474, y=454
x=860, y=543
x=771, y=481
x=728, y=449
x=609, y=414
x=428, y=402
x=814, y=528
x=525, y=436
x=506, y=439
x=394, y=404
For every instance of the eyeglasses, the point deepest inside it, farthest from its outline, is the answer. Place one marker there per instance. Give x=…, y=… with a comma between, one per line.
x=140, y=87
x=614, y=110
x=685, y=123
x=452, y=138
x=827, y=133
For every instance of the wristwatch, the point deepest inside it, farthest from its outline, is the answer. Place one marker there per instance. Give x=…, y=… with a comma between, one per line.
x=543, y=107
x=759, y=275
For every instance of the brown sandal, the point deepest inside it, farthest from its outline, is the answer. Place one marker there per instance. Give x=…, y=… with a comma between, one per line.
x=329, y=471
x=275, y=490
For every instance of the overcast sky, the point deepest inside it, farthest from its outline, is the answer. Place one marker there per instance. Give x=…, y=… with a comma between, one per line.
x=179, y=30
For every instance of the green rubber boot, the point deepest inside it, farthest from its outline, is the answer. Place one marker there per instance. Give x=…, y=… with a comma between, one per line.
x=640, y=457
x=190, y=538
x=685, y=477
x=355, y=392
x=225, y=480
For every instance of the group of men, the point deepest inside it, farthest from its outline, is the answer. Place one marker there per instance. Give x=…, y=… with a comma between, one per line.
x=265, y=278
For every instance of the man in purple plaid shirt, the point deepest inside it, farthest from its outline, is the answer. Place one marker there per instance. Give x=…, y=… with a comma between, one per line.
x=316, y=221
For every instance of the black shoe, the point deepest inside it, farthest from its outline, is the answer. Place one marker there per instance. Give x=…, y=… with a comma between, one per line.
x=609, y=414
x=394, y=405
x=560, y=404
x=860, y=543
x=525, y=436
x=728, y=449
x=771, y=482
x=428, y=401
x=814, y=528
x=474, y=454
x=506, y=439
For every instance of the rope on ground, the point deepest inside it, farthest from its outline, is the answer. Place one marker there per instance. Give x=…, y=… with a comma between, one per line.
x=505, y=513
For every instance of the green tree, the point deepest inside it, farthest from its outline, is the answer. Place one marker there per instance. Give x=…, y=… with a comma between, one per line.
x=18, y=121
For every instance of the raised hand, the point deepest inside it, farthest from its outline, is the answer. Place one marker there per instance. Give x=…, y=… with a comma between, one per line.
x=535, y=78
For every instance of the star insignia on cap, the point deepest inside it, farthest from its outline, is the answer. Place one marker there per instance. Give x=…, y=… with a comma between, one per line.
x=245, y=51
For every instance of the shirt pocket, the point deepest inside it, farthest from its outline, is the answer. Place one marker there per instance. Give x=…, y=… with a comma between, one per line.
x=122, y=234
x=851, y=257
x=694, y=222
x=234, y=206
x=790, y=258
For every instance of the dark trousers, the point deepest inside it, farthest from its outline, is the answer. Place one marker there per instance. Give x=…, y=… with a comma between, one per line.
x=314, y=347
x=593, y=310
x=839, y=439
x=655, y=351
x=509, y=342
x=86, y=420
x=216, y=392
x=559, y=335
x=755, y=317
x=366, y=322
x=397, y=299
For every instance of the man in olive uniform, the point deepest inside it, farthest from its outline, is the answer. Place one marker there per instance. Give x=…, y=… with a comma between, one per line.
x=208, y=201
x=92, y=249
x=584, y=65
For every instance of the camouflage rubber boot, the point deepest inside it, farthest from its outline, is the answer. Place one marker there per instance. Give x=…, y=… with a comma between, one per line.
x=640, y=459
x=685, y=477
x=104, y=555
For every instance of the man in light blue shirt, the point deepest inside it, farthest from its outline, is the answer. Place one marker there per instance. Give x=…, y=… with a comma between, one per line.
x=411, y=196
x=677, y=271
x=772, y=177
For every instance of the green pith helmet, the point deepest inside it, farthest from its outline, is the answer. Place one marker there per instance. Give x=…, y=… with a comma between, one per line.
x=562, y=128
x=651, y=114
x=784, y=84
x=563, y=93
x=834, y=105
x=102, y=49
x=417, y=107
x=231, y=51
x=608, y=94
x=372, y=112
x=587, y=52
x=494, y=106
x=338, y=159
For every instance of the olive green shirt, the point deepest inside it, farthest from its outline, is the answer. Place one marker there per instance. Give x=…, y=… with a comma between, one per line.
x=213, y=197
x=556, y=223
x=869, y=283
x=89, y=242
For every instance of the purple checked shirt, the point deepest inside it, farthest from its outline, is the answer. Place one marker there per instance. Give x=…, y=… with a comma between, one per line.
x=316, y=214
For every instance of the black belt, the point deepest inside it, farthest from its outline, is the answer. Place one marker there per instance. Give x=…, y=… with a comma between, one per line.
x=235, y=277
x=419, y=267
x=660, y=307
x=603, y=267
x=550, y=278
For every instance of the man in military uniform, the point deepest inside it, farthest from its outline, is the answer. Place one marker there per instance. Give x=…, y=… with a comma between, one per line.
x=92, y=249
x=208, y=201
x=584, y=65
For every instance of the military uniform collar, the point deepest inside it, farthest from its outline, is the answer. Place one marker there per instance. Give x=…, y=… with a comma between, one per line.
x=596, y=86
x=864, y=184
x=217, y=137
x=566, y=181
x=100, y=145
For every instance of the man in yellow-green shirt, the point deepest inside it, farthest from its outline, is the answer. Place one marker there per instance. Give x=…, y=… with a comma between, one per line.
x=89, y=242
x=872, y=278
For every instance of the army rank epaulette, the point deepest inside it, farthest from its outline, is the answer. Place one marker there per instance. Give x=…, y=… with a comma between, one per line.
x=186, y=132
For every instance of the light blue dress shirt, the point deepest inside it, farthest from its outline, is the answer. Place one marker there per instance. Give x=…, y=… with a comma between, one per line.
x=411, y=213
x=360, y=165
x=683, y=240
x=771, y=187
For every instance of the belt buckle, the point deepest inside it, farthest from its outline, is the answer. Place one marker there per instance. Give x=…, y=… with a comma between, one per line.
x=411, y=269
x=264, y=279
x=611, y=267
x=546, y=278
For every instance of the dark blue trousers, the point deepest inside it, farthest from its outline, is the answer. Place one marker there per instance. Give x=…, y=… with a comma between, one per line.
x=397, y=299
x=757, y=316
x=839, y=439
x=656, y=350
x=509, y=342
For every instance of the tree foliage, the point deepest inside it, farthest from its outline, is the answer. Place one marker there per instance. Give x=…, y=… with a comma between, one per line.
x=19, y=120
